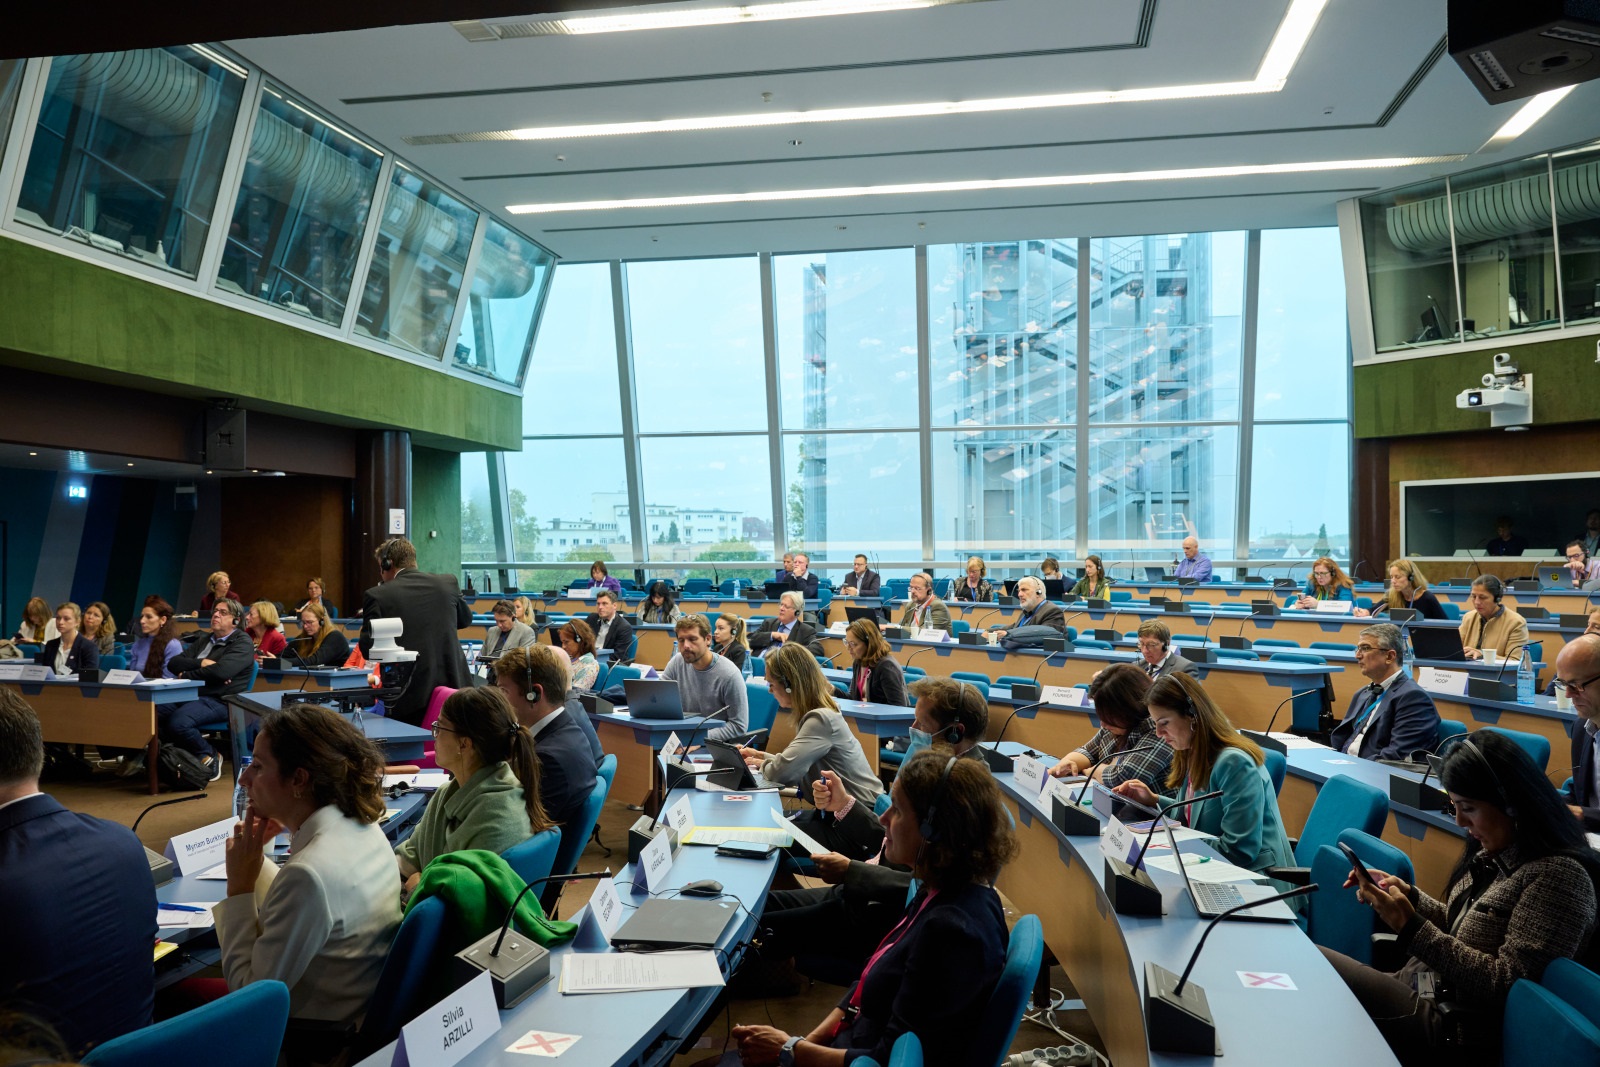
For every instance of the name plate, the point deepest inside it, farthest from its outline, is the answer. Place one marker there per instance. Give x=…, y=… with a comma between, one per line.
x=202, y=849
x=1064, y=696
x=1117, y=841
x=932, y=633
x=605, y=907
x=1439, y=680
x=445, y=1033
x=680, y=817
x=655, y=860
x=839, y=626
x=122, y=678
x=10, y=672
x=1031, y=774
x=1335, y=607
x=669, y=751
x=34, y=672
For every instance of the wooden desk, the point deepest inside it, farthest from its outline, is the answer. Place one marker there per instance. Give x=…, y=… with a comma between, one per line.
x=1542, y=718
x=120, y=716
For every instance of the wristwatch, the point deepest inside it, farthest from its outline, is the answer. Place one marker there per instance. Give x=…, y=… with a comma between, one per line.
x=786, y=1054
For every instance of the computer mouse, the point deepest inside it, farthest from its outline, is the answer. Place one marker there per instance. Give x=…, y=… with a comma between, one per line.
x=705, y=887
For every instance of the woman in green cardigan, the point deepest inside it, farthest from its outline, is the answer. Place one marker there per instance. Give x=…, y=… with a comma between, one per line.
x=492, y=799
x=1208, y=755
x=1093, y=584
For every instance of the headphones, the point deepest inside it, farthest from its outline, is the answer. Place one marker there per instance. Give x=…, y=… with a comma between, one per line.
x=930, y=832
x=1492, y=586
x=1500, y=790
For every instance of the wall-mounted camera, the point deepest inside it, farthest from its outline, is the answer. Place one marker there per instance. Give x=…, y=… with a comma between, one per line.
x=1507, y=393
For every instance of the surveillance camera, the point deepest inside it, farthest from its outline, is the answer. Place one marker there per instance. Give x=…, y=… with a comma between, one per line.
x=1488, y=381
x=1502, y=359
x=1503, y=367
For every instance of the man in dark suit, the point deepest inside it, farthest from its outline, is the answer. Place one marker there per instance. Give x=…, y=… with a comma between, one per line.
x=861, y=582
x=432, y=611
x=787, y=627
x=611, y=630
x=1393, y=716
x=801, y=578
x=222, y=660
x=80, y=902
x=1155, y=645
x=1036, y=610
x=534, y=680
x=1578, y=671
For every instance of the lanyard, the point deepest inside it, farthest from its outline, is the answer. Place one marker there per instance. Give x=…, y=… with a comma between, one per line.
x=893, y=938
x=861, y=693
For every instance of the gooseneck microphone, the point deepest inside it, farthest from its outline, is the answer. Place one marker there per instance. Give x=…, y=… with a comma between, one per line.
x=1264, y=738
x=1070, y=817
x=162, y=804
x=1161, y=813
x=518, y=968
x=1127, y=885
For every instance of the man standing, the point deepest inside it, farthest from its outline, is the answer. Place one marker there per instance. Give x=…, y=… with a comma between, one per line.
x=1036, y=610
x=925, y=610
x=788, y=626
x=1393, y=716
x=506, y=633
x=81, y=905
x=611, y=630
x=1193, y=564
x=223, y=660
x=862, y=582
x=708, y=682
x=534, y=681
x=801, y=577
x=432, y=612
x=1578, y=672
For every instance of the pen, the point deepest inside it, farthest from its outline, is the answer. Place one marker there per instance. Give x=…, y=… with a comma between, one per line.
x=180, y=907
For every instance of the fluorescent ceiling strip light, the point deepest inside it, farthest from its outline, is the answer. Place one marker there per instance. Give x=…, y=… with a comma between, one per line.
x=1287, y=44
x=984, y=184
x=725, y=16
x=1528, y=114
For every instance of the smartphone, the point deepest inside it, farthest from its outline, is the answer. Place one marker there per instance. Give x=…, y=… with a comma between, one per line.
x=746, y=850
x=1363, y=876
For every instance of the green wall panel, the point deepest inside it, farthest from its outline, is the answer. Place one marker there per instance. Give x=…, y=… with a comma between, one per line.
x=68, y=316
x=1418, y=396
x=436, y=505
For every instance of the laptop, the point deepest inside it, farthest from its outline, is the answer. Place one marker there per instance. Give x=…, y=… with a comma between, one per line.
x=1552, y=574
x=1211, y=899
x=1055, y=588
x=653, y=698
x=660, y=924
x=854, y=614
x=1436, y=642
x=774, y=590
x=1155, y=574
x=732, y=771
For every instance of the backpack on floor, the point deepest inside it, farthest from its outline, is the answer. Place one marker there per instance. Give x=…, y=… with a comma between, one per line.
x=182, y=769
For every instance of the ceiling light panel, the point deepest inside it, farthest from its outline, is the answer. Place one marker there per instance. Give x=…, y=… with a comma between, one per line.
x=1526, y=116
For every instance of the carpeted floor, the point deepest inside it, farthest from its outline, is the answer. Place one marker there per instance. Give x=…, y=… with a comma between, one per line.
x=122, y=800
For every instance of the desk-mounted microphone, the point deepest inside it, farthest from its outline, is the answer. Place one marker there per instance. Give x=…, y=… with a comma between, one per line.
x=517, y=965
x=999, y=764
x=1264, y=738
x=1070, y=816
x=1127, y=886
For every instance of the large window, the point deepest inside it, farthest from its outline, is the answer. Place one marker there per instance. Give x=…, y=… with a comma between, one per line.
x=1578, y=213
x=303, y=203
x=503, y=304
x=478, y=542
x=1003, y=494
x=849, y=492
x=571, y=384
x=10, y=79
x=1407, y=235
x=424, y=236
x=1302, y=338
x=128, y=152
x=707, y=498
x=568, y=504
x=1300, y=492
x=1151, y=487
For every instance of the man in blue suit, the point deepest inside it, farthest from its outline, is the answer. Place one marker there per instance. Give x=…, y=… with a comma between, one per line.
x=80, y=903
x=1393, y=716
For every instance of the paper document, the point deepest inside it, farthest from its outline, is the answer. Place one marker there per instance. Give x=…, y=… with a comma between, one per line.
x=1295, y=741
x=1202, y=869
x=801, y=838
x=430, y=780
x=716, y=835
x=195, y=916
x=163, y=681
x=623, y=972
x=219, y=873
x=1181, y=833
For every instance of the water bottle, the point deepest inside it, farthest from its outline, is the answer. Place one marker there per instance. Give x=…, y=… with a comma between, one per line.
x=1406, y=654
x=1525, y=677
x=744, y=668
x=241, y=798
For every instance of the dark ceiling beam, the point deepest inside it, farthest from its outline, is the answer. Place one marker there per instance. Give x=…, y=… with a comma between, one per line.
x=142, y=24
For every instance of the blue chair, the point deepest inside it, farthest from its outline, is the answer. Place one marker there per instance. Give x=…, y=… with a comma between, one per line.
x=1541, y=1029
x=1089, y=642
x=732, y=586
x=406, y=983
x=633, y=648
x=1448, y=728
x=248, y=1023
x=603, y=679
x=583, y=583
x=906, y=1052
x=574, y=836
x=1239, y=654
x=1337, y=919
x=1003, y=1014
x=114, y=662
x=1275, y=642
x=1122, y=596
x=697, y=587
x=1451, y=611
x=959, y=626
x=622, y=672
x=758, y=666
x=763, y=705
x=606, y=771
x=981, y=681
x=1336, y=646
x=881, y=805
x=1296, y=657
x=1537, y=747
x=534, y=858
x=1013, y=679
x=1575, y=984
x=1277, y=767
x=1342, y=804
x=914, y=672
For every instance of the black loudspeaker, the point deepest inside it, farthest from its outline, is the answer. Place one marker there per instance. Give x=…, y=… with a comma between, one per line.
x=1514, y=51
x=225, y=436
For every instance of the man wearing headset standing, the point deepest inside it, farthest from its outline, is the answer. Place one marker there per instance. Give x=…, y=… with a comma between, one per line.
x=432, y=611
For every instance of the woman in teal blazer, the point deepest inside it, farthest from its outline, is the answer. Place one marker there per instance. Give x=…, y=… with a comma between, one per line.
x=1209, y=754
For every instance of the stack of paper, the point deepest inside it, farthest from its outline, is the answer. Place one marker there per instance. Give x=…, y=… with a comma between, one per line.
x=626, y=972
x=1204, y=869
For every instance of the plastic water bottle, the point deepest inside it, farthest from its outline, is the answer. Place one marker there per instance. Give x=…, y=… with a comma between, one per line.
x=241, y=798
x=745, y=667
x=1406, y=654
x=1525, y=677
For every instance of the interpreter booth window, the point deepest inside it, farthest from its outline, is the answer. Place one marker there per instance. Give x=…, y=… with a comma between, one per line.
x=847, y=339
x=10, y=80
x=698, y=356
x=1164, y=327
x=1002, y=333
x=1577, y=196
x=1460, y=518
x=706, y=499
x=305, y=195
x=1300, y=492
x=1151, y=487
x=1505, y=249
x=1407, y=237
x=128, y=152
x=571, y=384
x=1302, y=332
x=1004, y=494
x=424, y=235
x=849, y=492
x=503, y=304
x=568, y=504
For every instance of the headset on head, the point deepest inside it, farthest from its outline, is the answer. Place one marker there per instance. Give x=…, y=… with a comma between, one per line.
x=1492, y=586
x=930, y=832
x=1505, y=804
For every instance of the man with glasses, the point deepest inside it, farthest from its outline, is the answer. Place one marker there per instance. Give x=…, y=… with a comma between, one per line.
x=1582, y=571
x=222, y=659
x=924, y=610
x=1578, y=675
x=1393, y=716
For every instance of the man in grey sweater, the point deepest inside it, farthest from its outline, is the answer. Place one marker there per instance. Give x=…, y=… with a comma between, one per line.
x=706, y=681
